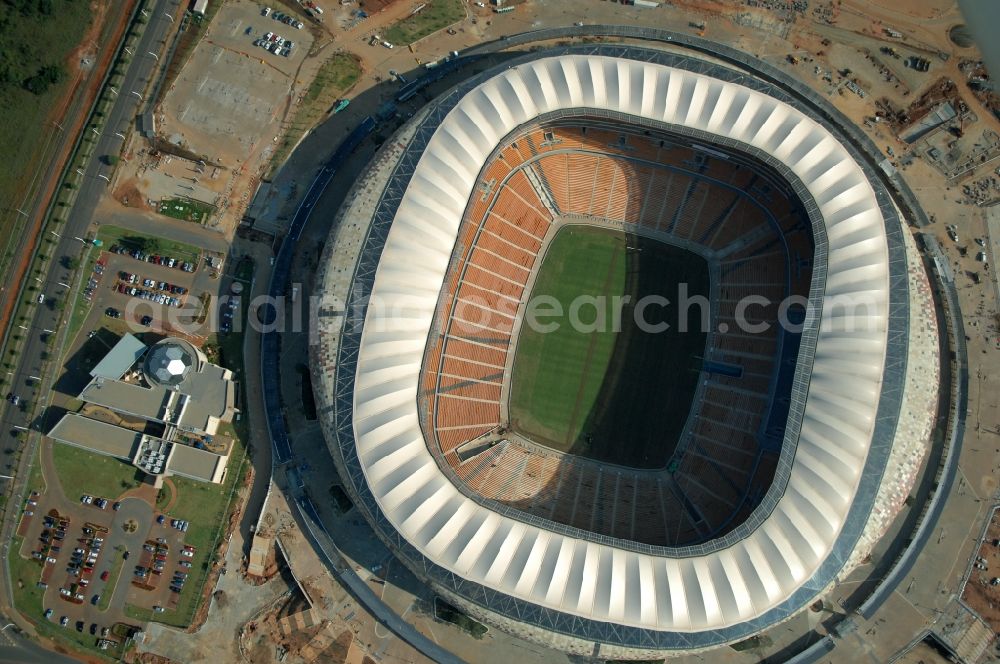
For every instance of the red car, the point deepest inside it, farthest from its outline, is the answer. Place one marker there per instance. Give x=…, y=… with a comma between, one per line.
x=104, y=575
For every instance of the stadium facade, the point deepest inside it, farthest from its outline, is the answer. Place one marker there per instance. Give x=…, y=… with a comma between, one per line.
x=560, y=583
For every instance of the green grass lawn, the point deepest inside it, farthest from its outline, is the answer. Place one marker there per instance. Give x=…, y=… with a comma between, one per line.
x=82, y=472
x=180, y=250
x=24, y=574
x=557, y=375
x=437, y=15
x=186, y=209
x=588, y=391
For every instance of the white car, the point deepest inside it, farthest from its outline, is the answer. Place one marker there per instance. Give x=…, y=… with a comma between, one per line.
x=298, y=25
x=189, y=554
x=266, y=11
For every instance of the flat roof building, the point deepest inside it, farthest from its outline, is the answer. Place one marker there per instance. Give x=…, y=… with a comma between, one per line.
x=120, y=359
x=181, y=388
x=174, y=385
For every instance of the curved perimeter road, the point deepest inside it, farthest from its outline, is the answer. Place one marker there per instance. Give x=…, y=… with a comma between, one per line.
x=355, y=584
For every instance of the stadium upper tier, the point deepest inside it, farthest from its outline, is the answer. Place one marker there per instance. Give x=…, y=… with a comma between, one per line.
x=606, y=580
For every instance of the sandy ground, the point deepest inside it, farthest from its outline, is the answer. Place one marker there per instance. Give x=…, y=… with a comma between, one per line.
x=979, y=594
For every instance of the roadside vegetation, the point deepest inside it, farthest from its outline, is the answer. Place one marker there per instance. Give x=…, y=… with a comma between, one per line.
x=38, y=36
x=334, y=78
x=70, y=180
x=437, y=15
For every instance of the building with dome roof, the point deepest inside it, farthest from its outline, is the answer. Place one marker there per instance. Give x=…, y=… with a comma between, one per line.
x=170, y=362
x=171, y=384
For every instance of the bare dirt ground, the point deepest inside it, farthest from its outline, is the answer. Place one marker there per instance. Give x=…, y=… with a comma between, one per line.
x=127, y=193
x=982, y=597
x=228, y=104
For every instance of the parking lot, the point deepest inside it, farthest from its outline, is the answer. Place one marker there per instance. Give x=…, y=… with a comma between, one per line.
x=144, y=291
x=148, y=283
x=231, y=94
x=160, y=569
x=98, y=554
x=79, y=549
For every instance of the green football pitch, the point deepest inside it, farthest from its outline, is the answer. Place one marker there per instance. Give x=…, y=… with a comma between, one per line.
x=620, y=396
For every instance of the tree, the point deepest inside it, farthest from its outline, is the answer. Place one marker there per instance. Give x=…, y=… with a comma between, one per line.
x=150, y=245
x=46, y=77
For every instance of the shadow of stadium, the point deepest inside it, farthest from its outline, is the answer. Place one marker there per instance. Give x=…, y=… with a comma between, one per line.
x=619, y=416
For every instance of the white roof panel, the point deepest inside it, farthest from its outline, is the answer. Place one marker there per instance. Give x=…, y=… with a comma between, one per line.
x=600, y=581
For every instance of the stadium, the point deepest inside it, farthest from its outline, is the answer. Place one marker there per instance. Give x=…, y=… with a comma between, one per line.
x=618, y=490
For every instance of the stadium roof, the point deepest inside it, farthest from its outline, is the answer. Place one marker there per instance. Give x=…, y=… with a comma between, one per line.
x=598, y=580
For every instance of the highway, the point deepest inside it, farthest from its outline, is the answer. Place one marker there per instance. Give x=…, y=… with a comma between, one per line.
x=32, y=380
